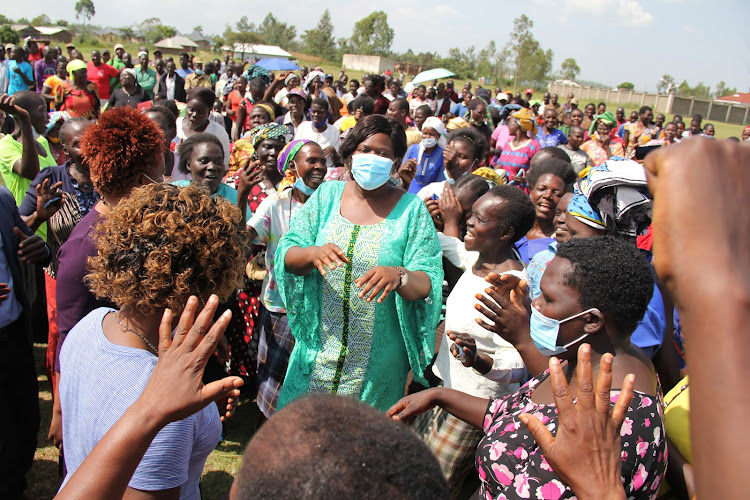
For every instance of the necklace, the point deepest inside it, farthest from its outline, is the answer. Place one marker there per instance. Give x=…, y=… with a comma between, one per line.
x=151, y=347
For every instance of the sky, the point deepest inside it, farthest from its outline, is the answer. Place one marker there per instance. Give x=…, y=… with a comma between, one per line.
x=611, y=40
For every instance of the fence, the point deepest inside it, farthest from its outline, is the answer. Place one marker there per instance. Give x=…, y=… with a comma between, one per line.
x=737, y=114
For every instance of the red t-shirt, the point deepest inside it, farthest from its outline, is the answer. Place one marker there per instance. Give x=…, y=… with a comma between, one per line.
x=100, y=76
x=235, y=99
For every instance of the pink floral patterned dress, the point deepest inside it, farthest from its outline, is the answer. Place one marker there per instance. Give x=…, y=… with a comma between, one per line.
x=511, y=464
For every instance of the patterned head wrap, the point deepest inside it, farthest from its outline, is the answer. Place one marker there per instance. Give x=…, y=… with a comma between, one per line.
x=268, y=131
x=490, y=175
x=606, y=118
x=56, y=116
x=580, y=208
x=525, y=120
x=271, y=112
x=287, y=155
x=256, y=71
x=299, y=92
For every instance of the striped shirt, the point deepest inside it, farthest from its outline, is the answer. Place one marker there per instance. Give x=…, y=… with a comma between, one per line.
x=101, y=381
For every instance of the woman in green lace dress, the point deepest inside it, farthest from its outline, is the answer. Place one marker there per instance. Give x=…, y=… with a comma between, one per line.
x=360, y=272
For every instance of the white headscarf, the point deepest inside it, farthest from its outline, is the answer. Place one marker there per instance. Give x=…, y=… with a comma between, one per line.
x=434, y=123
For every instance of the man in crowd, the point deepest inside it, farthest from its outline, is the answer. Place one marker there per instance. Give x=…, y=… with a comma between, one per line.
x=184, y=69
x=99, y=74
x=145, y=76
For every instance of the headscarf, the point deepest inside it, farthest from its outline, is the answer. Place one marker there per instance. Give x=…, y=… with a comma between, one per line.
x=490, y=175
x=457, y=123
x=312, y=76
x=256, y=71
x=268, y=131
x=606, y=118
x=435, y=123
x=75, y=65
x=508, y=109
x=580, y=208
x=268, y=108
x=287, y=155
x=55, y=117
x=526, y=120
x=289, y=78
x=131, y=72
x=202, y=94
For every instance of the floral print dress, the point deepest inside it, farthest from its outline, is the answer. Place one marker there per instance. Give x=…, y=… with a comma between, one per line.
x=511, y=464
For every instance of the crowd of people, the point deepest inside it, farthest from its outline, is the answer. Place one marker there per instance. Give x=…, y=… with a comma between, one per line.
x=448, y=261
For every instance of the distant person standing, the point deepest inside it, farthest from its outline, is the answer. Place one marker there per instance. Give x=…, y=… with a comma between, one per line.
x=100, y=73
x=145, y=76
x=44, y=67
x=20, y=73
x=184, y=69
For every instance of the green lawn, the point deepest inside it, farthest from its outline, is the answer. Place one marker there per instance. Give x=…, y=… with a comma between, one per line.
x=221, y=467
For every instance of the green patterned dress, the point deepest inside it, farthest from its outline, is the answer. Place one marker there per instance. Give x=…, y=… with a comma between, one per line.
x=345, y=345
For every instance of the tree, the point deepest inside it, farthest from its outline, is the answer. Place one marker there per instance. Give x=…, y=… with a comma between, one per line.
x=8, y=35
x=274, y=32
x=532, y=63
x=160, y=32
x=198, y=29
x=626, y=86
x=722, y=90
x=61, y=22
x=569, y=69
x=85, y=9
x=372, y=35
x=5, y=20
x=320, y=41
x=41, y=20
x=244, y=32
x=665, y=84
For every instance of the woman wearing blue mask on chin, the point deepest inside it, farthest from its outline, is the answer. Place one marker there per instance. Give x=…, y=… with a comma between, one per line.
x=303, y=165
x=594, y=291
x=360, y=274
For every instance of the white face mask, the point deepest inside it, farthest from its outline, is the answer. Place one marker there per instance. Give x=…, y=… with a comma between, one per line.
x=428, y=142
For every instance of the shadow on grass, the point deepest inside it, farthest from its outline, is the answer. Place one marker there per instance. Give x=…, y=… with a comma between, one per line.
x=215, y=485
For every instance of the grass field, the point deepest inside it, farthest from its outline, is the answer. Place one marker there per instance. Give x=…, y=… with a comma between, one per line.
x=221, y=467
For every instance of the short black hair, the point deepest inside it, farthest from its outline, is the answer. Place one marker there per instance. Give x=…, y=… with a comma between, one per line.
x=256, y=83
x=354, y=80
x=644, y=109
x=610, y=275
x=402, y=104
x=321, y=101
x=471, y=136
x=363, y=102
x=329, y=446
x=369, y=126
x=186, y=148
x=519, y=213
x=27, y=99
x=425, y=108
x=72, y=124
x=474, y=185
x=377, y=81
x=555, y=166
x=170, y=106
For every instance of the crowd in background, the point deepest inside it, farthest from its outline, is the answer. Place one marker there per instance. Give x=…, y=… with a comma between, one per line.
x=427, y=251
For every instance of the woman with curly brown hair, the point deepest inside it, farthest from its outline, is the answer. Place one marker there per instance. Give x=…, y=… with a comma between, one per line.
x=158, y=247
x=124, y=150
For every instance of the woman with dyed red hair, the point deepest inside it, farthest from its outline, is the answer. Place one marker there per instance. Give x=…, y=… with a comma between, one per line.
x=124, y=150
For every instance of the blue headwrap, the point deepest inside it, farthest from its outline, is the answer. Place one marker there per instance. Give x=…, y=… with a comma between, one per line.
x=580, y=208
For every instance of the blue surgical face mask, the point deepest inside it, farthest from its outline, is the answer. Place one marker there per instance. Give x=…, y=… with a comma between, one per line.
x=304, y=188
x=371, y=171
x=199, y=72
x=544, y=332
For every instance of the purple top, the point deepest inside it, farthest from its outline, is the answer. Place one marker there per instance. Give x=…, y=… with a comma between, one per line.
x=42, y=71
x=74, y=299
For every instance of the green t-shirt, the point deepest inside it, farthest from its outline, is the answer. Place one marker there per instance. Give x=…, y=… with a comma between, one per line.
x=10, y=152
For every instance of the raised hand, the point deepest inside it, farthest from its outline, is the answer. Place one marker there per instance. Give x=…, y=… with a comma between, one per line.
x=451, y=210
x=434, y=208
x=184, y=358
x=503, y=306
x=45, y=194
x=586, y=452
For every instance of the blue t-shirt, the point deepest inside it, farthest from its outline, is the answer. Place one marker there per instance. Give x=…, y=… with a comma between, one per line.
x=649, y=333
x=16, y=83
x=536, y=269
x=430, y=169
x=184, y=72
x=527, y=248
x=102, y=380
x=552, y=139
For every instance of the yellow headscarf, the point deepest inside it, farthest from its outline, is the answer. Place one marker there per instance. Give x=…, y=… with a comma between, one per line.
x=526, y=120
